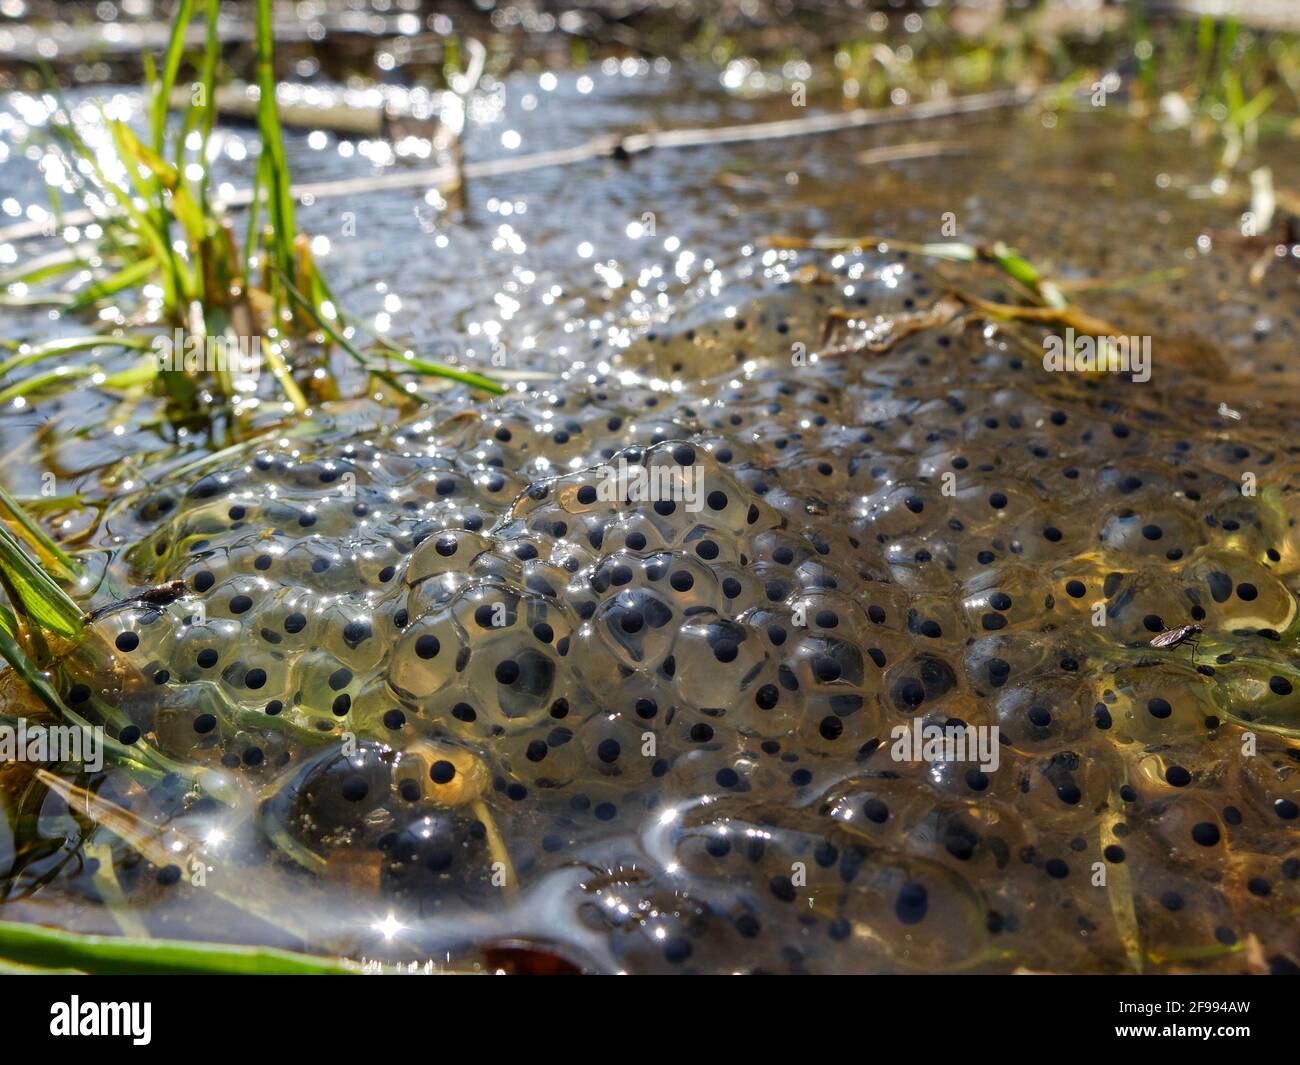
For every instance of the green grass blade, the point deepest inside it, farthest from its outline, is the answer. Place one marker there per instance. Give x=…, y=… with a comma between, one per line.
x=128, y=277
x=38, y=536
x=55, y=264
x=429, y=369
x=114, y=955
x=1017, y=267
x=142, y=373
x=68, y=345
x=208, y=79
x=53, y=381
x=435, y=369
x=283, y=376
x=278, y=195
x=42, y=601
x=261, y=180
x=167, y=77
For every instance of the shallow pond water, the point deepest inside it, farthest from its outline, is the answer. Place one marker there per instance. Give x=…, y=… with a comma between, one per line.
x=444, y=693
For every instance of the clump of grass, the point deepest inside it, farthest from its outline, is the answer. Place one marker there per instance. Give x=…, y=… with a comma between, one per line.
x=160, y=226
x=1230, y=84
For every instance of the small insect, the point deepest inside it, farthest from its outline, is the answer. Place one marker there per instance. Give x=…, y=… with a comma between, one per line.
x=1174, y=637
x=159, y=595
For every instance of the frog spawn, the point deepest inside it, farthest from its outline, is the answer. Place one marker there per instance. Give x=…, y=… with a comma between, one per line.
x=698, y=698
